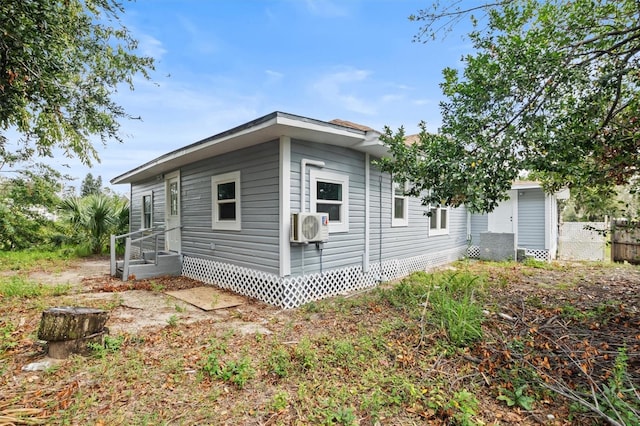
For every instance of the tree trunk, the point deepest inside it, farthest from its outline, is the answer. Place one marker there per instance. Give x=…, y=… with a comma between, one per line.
x=69, y=329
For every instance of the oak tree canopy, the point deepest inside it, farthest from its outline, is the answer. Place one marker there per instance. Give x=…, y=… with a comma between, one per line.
x=61, y=62
x=550, y=88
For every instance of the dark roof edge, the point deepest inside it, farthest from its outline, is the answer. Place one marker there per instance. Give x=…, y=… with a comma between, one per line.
x=237, y=129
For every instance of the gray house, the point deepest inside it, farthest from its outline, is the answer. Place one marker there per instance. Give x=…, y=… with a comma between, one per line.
x=530, y=216
x=289, y=209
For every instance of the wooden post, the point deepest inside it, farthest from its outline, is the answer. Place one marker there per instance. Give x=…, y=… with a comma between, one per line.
x=112, y=246
x=69, y=329
x=127, y=256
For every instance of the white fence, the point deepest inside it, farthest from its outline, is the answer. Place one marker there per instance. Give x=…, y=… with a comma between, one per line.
x=582, y=241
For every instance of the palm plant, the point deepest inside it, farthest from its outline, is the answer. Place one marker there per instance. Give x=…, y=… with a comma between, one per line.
x=93, y=218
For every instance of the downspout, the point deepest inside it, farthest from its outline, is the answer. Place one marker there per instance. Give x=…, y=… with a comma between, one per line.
x=303, y=179
x=367, y=213
x=303, y=192
x=381, y=278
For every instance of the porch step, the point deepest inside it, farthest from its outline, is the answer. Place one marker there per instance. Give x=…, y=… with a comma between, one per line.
x=168, y=263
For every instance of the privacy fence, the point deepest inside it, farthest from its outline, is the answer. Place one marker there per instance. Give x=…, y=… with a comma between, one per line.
x=582, y=241
x=625, y=241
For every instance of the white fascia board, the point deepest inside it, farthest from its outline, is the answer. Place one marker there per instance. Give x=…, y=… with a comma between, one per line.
x=249, y=134
x=171, y=160
x=526, y=185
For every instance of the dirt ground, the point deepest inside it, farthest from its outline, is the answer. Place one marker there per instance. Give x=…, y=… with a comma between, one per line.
x=143, y=304
x=566, y=321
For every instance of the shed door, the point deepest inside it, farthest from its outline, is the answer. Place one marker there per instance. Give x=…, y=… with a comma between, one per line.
x=172, y=211
x=504, y=217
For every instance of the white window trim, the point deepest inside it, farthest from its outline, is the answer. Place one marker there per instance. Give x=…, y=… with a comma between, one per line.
x=322, y=176
x=404, y=221
x=225, y=225
x=438, y=230
x=142, y=195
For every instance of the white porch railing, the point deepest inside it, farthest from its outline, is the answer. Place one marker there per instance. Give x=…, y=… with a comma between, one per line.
x=128, y=245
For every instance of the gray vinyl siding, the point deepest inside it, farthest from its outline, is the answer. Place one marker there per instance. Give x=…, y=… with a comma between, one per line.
x=344, y=248
x=479, y=223
x=156, y=187
x=402, y=242
x=256, y=245
x=531, y=217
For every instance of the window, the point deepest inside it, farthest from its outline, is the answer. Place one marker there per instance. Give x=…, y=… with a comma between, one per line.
x=400, y=203
x=173, y=198
x=330, y=194
x=439, y=221
x=226, y=201
x=147, y=210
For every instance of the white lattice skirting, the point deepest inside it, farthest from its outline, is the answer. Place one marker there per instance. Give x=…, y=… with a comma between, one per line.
x=291, y=292
x=473, y=252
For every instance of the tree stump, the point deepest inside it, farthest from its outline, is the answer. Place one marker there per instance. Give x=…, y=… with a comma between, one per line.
x=70, y=329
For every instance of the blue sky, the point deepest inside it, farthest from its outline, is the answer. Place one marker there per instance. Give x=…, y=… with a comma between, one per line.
x=225, y=62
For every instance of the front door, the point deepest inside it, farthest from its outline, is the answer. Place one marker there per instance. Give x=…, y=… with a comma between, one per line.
x=504, y=217
x=172, y=211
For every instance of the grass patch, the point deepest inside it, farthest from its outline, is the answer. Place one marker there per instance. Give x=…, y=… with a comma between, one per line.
x=448, y=300
x=410, y=352
x=19, y=286
x=31, y=259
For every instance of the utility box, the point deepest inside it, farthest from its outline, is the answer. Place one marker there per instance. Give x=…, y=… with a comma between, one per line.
x=497, y=246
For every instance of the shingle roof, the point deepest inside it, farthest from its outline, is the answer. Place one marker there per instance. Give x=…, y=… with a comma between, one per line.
x=411, y=139
x=352, y=125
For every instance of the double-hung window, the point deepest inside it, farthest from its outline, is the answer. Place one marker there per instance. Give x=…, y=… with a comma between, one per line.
x=147, y=210
x=400, y=204
x=330, y=194
x=225, y=190
x=439, y=220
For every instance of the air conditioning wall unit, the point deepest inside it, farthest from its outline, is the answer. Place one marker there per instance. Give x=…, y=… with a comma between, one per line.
x=309, y=227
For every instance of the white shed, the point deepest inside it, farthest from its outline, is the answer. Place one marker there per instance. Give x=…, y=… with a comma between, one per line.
x=529, y=214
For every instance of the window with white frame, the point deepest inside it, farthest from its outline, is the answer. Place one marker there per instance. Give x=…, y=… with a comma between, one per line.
x=225, y=190
x=400, y=204
x=146, y=221
x=330, y=194
x=439, y=220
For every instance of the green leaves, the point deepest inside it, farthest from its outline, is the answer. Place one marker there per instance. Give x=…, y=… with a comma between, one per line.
x=92, y=219
x=60, y=62
x=552, y=88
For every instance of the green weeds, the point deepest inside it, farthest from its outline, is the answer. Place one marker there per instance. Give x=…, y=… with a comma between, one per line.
x=110, y=345
x=448, y=300
x=237, y=372
x=30, y=259
x=19, y=286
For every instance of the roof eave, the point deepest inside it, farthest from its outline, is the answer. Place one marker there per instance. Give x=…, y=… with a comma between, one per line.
x=264, y=129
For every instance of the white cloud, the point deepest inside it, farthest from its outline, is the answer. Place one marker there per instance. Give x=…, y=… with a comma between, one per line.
x=150, y=46
x=331, y=87
x=273, y=76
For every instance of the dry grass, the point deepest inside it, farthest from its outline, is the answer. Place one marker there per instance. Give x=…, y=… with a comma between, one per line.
x=379, y=357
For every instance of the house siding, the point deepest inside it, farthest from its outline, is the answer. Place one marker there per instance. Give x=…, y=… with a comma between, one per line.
x=531, y=219
x=156, y=187
x=343, y=248
x=479, y=223
x=256, y=244
x=402, y=242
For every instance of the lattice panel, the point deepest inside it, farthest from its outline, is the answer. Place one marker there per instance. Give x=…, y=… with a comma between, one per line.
x=473, y=252
x=249, y=282
x=537, y=254
x=428, y=261
x=304, y=289
x=291, y=292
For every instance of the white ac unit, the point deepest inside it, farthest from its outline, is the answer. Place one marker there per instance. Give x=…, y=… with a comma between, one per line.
x=309, y=227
